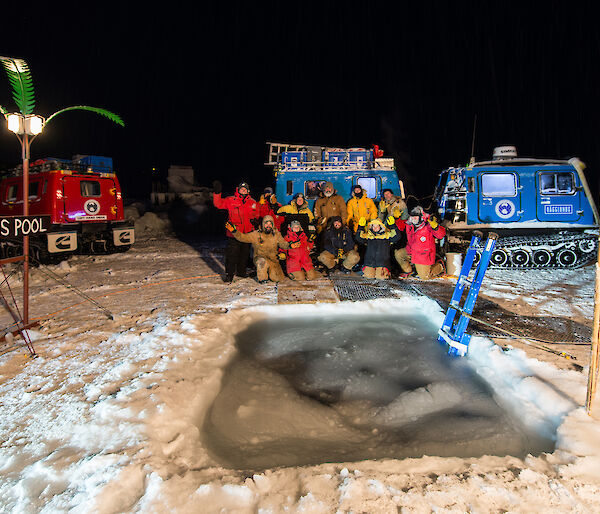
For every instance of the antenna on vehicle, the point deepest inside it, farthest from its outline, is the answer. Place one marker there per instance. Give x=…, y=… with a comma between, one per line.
x=472, y=160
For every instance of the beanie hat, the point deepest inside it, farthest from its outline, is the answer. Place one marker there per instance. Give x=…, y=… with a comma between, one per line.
x=244, y=184
x=266, y=219
x=268, y=190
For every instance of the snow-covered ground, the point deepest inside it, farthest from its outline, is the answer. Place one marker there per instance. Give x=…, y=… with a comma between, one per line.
x=109, y=417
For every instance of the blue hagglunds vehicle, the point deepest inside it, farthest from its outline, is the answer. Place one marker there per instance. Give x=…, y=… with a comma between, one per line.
x=542, y=210
x=305, y=169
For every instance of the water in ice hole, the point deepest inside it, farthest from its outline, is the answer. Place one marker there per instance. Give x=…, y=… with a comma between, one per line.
x=338, y=388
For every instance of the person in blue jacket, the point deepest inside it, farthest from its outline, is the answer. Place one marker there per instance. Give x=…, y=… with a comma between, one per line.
x=338, y=246
x=378, y=238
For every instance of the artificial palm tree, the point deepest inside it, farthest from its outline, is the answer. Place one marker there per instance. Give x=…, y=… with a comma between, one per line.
x=20, y=79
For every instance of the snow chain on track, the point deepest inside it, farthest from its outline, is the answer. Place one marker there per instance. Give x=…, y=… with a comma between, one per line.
x=563, y=250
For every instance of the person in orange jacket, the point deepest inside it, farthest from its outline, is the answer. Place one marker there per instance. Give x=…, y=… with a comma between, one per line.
x=242, y=210
x=422, y=231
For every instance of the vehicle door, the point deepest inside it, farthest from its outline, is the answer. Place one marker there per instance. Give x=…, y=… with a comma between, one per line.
x=90, y=198
x=499, y=197
x=557, y=196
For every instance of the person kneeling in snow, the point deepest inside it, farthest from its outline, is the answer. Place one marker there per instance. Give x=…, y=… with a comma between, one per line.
x=421, y=233
x=265, y=242
x=378, y=238
x=299, y=265
x=338, y=246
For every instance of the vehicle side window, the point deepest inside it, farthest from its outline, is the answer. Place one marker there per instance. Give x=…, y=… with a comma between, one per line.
x=499, y=184
x=34, y=189
x=90, y=188
x=313, y=188
x=11, y=193
x=471, y=184
x=557, y=183
x=369, y=184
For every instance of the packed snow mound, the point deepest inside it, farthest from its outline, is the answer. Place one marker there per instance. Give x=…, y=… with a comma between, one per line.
x=152, y=224
x=131, y=212
x=134, y=210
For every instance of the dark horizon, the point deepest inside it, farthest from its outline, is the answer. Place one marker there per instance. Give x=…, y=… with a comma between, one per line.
x=208, y=87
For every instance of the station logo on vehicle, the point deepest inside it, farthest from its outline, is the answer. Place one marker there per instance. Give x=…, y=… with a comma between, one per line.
x=91, y=207
x=505, y=209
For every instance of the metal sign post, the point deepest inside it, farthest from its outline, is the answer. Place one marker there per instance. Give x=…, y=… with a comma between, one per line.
x=25, y=151
x=595, y=351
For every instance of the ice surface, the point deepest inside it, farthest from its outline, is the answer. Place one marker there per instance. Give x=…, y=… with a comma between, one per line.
x=366, y=387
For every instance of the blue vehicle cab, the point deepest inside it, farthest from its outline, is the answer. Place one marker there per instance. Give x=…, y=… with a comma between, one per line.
x=305, y=169
x=542, y=210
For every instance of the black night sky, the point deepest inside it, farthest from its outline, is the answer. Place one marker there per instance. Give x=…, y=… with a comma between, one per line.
x=208, y=85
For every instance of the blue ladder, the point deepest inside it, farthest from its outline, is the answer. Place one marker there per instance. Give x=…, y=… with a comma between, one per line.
x=454, y=333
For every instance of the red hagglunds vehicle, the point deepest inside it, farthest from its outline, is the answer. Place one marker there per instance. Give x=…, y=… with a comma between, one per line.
x=83, y=199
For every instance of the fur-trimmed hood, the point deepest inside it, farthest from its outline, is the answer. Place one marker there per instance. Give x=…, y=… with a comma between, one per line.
x=386, y=233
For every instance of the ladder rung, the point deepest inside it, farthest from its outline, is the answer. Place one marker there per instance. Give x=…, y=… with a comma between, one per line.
x=466, y=280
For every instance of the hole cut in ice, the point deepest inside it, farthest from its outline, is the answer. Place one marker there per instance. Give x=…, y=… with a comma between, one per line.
x=338, y=388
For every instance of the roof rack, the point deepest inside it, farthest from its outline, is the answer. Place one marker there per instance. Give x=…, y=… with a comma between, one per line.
x=52, y=164
x=518, y=160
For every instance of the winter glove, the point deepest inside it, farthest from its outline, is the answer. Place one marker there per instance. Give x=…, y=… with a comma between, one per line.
x=396, y=212
x=262, y=200
x=433, y=222
x=391, y=220
x=217, y=187
x=273, y=199
x=362, y=222
x=295, y=244
x=230, y=227
x=312, y=237
x=340, y=253
x=281, y=255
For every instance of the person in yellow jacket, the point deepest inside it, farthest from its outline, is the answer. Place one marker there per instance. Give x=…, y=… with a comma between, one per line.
x=297, y=210
x=360, y=206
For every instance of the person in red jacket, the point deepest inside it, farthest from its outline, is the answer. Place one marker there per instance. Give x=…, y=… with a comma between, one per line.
x=421, y=234
x=299, y=264
x=268, y=206
x=242, y=210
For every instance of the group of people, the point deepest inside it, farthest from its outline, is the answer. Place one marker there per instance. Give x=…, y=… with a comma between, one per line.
x=338, y=233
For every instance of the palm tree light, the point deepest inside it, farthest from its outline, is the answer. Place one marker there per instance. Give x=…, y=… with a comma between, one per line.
x=25, y=124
